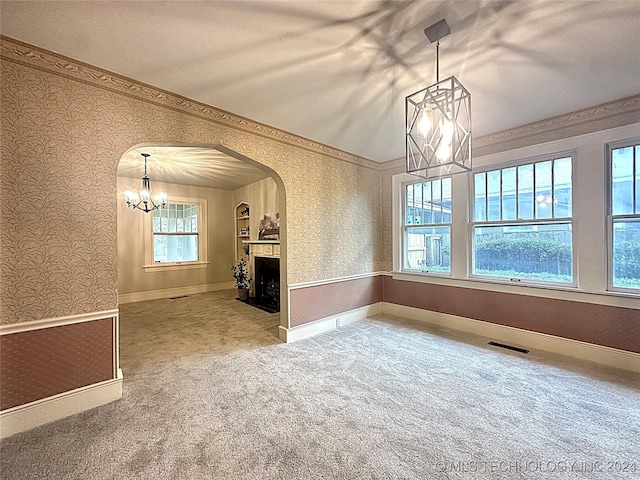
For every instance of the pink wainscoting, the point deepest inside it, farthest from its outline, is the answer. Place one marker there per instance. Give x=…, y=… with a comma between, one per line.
x=319, y=301
x=614, y=327
x=40, y=363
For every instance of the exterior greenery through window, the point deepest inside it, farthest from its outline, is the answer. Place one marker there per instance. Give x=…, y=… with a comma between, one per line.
x=175, y=233
x=624, y=216
x=427, y=226
x=522, y=222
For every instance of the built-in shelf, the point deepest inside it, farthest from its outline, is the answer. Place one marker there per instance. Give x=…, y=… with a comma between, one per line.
x=242, y=215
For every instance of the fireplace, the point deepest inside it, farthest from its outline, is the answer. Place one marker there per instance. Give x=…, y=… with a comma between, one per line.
x=266, y=282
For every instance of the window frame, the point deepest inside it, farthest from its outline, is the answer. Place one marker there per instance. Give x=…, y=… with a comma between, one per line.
x=404, y=227
x=203, y=249
x=571, y=221
x=610, y=217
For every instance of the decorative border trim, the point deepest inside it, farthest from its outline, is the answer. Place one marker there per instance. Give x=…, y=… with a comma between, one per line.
x=610, y=357
x=618, y=113
x=334, y=280
x=24, y=417
x=174, y=292
x=289, y=335
x=10, y=328
x=32, y=56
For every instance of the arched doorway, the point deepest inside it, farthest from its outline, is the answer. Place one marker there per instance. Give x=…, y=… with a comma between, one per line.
x=197, y=175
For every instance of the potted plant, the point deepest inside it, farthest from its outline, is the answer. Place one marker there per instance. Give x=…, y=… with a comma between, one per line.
x=241, y=276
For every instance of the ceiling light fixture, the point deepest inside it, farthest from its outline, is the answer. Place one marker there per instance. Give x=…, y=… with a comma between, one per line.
x=144, y=197
x=438, y=120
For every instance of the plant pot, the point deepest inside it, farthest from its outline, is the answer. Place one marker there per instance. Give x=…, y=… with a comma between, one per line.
x=243, y=294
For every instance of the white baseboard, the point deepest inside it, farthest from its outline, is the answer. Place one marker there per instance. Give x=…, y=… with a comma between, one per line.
x=24, y=417
x=174, y=292
x=326, y=324
x=522, y=338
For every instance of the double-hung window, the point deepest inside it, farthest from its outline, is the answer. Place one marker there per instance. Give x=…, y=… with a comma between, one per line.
x=522, y=222
x=427, y=226
x=177, y=234
x=624, y=216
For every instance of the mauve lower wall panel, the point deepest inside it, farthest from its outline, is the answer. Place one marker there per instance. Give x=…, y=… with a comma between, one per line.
x=40, y=363
x=320, y=301
x=614, y=327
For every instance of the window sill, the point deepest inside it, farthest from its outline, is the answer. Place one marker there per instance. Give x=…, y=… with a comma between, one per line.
x=168, y=267
x=628, y=300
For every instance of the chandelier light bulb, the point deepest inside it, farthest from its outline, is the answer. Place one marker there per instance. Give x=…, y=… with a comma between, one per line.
x=443, y=153
x=446, y=130
x=424, y=123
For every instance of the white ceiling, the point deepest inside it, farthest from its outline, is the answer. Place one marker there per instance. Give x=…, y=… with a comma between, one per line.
x=337, y=72
x=202, y=167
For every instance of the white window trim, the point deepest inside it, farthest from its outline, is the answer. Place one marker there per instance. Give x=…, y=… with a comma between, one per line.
x=571, y=220
x=609, y=147
x=403, y=228
x=202, y=262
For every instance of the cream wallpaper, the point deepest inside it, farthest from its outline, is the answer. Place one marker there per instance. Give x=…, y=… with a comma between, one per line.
x=132, y=278
x=64, y=127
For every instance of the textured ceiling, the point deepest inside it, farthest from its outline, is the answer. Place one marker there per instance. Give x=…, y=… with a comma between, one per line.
x=337, y=72
x=202, y=167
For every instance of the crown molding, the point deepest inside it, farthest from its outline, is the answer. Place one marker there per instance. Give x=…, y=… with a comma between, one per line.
x=617, y=113
x=22, y=53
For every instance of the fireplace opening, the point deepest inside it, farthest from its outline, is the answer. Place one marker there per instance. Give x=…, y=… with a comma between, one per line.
x=267, y=283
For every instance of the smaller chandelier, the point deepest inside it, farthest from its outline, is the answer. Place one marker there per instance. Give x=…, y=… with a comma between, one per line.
x=438, y=120
x=144, y=200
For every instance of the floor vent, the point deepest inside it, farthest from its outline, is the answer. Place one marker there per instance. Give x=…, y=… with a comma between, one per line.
x=175, y=298
x=509, y=347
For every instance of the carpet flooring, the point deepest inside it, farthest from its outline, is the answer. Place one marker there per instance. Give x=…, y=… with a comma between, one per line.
x=210, y=393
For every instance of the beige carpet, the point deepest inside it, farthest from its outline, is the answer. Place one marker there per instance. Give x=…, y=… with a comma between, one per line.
x=210, y=393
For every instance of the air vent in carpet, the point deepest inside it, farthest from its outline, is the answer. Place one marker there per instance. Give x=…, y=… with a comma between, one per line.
x=509, y=347
x=175, y=298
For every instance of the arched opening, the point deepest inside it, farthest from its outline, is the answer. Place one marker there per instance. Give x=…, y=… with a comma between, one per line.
x=197, y=178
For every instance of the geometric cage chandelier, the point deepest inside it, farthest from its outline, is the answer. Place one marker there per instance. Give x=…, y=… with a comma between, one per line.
x=438, y=122
x=144, y=200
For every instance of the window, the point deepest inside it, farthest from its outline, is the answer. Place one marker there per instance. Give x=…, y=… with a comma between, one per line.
x=624, y=216
x=522, y=222
x=177, y=234
x=427, y=226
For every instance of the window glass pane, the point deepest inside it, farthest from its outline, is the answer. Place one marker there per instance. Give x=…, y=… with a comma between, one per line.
x=428, y=248
x=532, y=252
x=543, y=189
x=164, y=224
x=626, y=253
x=493, y=193
x=417, y=200
x=409, y=205
x=156, y=221
x=175, y=248
x=562, y=187
x=621, y=177
x=436, y=192
x=509, y=193
x=525, y=192
x=479, y=210
x=637, y=167
x=446, y=200
x=427, y=216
